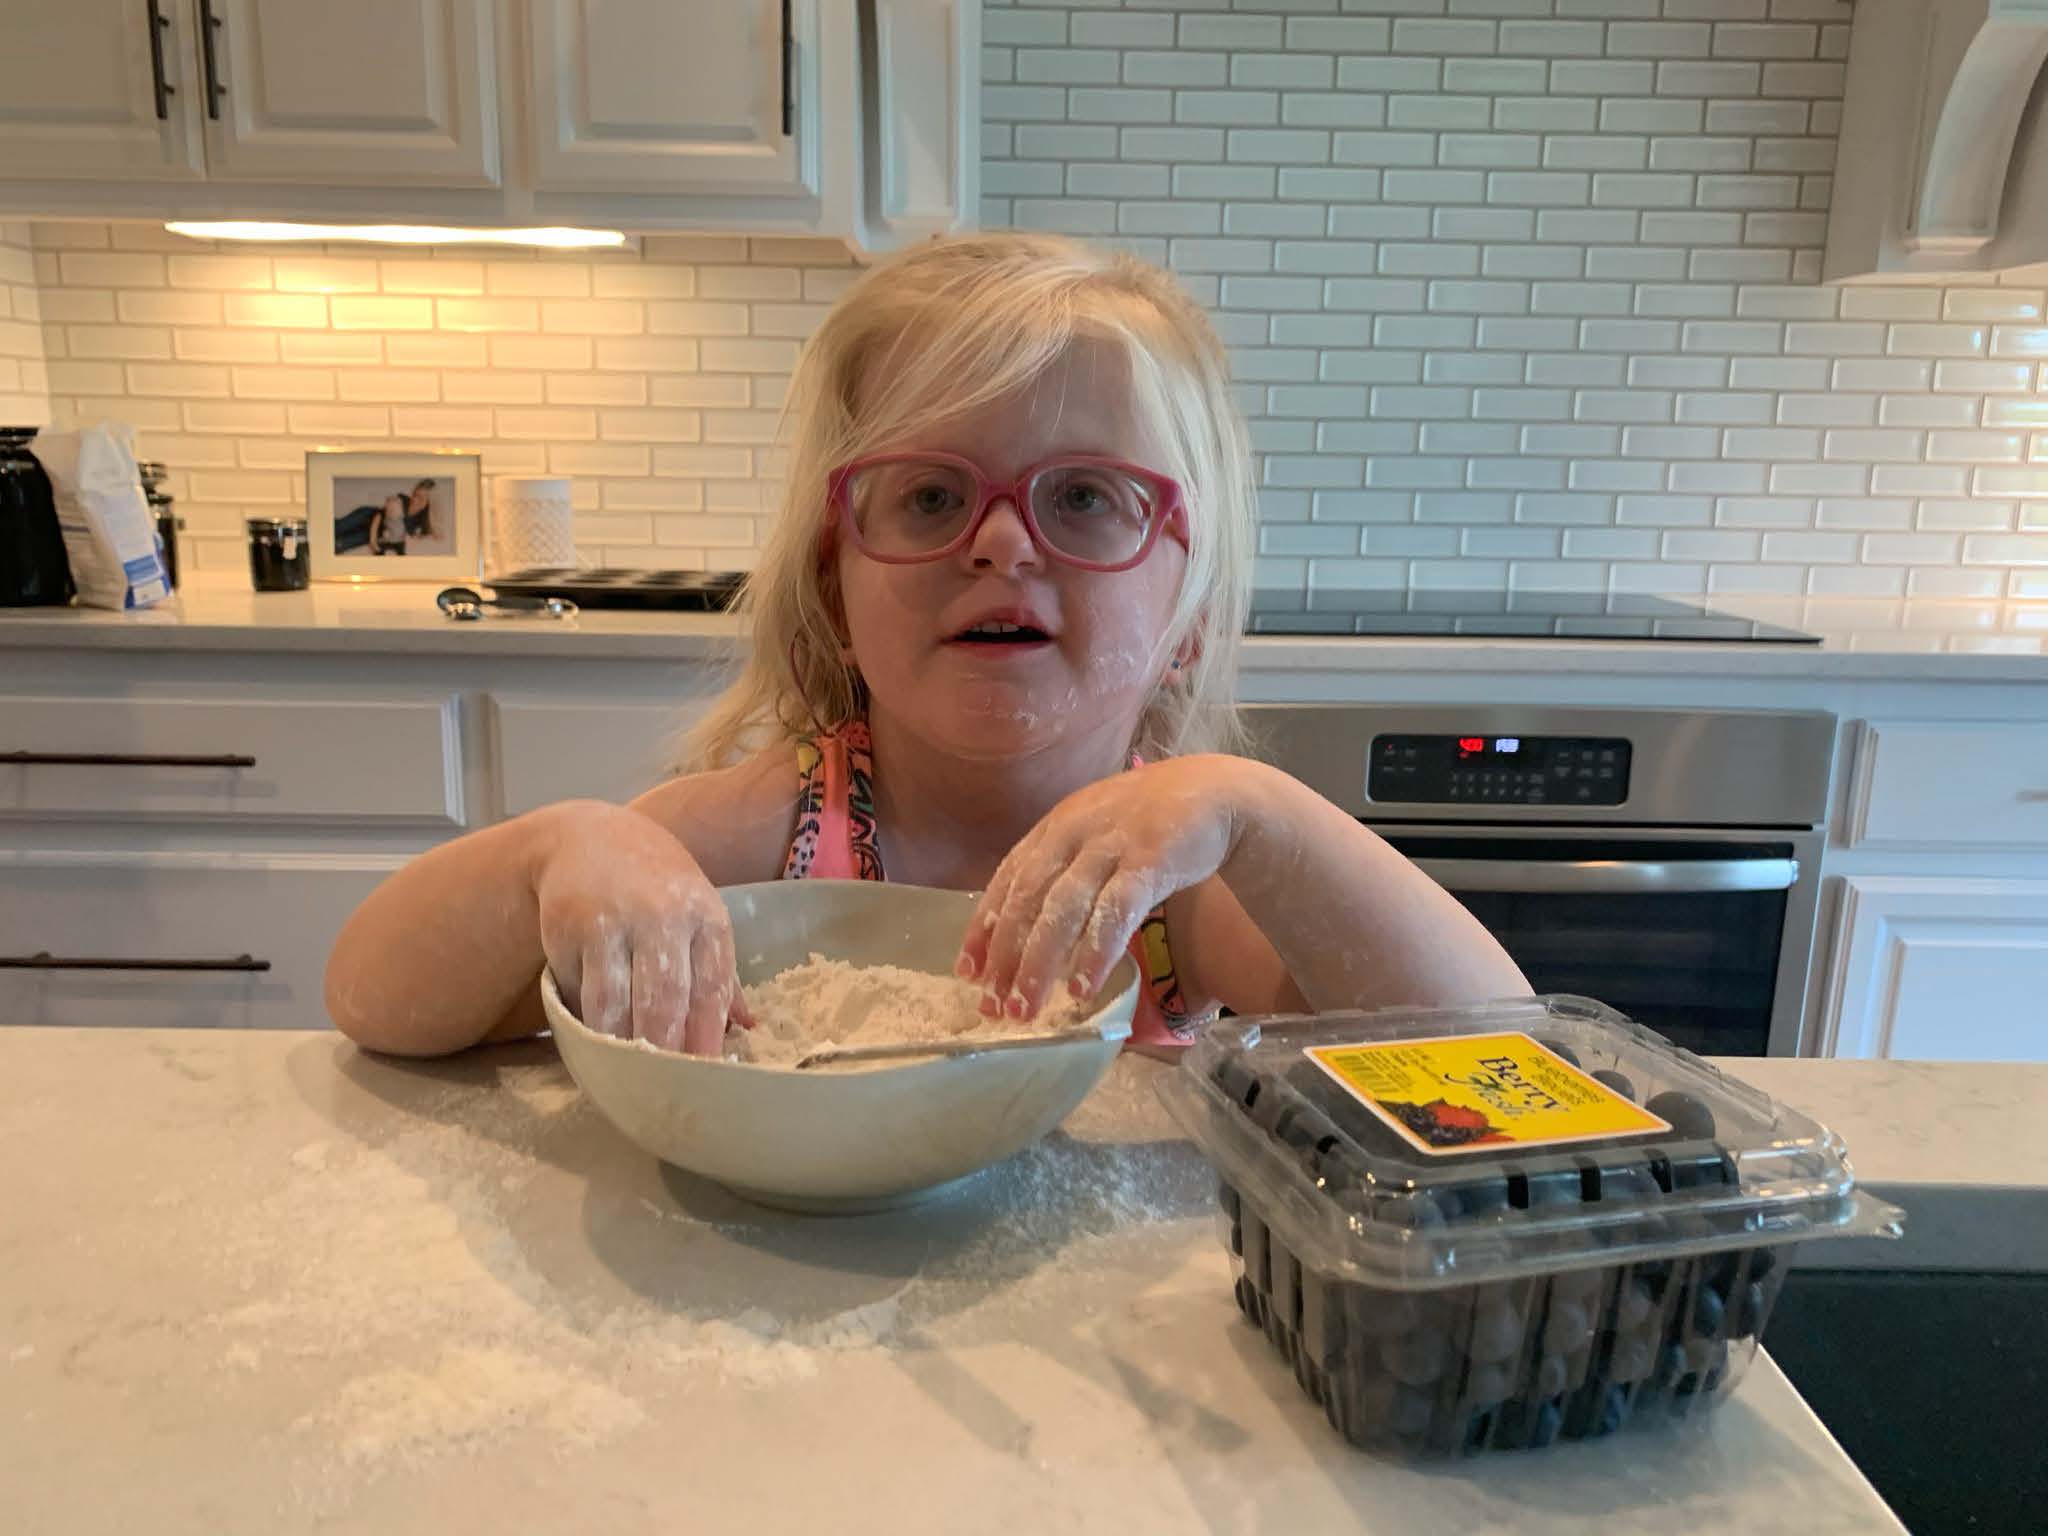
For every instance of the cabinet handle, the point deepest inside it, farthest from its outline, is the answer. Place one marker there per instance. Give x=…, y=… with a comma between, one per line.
x=2033, y=796
x=788, y=71
x=209, y=24
x=43, y=960
x=158, y=23
x=128, y=760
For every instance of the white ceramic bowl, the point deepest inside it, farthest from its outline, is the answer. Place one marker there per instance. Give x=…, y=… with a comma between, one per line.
x=828, y=1140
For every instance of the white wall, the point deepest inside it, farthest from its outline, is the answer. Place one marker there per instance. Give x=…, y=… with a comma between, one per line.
x=24, y=388
x=1523, y=290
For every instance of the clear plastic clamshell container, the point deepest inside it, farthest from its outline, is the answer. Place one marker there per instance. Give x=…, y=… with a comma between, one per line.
x=1498, y=1226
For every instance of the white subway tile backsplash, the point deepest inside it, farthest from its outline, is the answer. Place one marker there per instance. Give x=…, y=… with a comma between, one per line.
x=1516, y=290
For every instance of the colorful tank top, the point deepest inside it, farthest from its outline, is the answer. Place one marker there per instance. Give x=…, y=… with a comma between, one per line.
x=835, y=840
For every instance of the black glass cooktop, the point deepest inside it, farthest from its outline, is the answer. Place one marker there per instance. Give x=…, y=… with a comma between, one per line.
x=1510, y=615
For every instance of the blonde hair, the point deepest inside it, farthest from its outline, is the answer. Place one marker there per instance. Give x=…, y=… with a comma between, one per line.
x=945, y=328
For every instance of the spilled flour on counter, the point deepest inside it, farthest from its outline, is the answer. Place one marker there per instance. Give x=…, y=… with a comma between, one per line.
x=823, y=1003
x=484, y=1272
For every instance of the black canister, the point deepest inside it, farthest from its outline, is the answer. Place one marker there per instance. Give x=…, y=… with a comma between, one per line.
x=33, y=566
x=279, y=560
x=164, y=514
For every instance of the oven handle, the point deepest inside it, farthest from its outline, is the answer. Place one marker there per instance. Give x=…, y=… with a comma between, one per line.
x=1611, y=877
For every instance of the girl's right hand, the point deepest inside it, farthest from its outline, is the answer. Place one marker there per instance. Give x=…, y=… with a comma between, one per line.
x=635, y=935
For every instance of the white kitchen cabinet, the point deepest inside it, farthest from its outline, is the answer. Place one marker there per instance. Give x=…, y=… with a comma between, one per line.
x=87, y=93
x=855, y=119
x=390, y=762
x=1932, y=784
x=385, y=92
x=199, y=939
x=1939, y=969
x=674, y=96
x=550, y=749
x=1944, y=170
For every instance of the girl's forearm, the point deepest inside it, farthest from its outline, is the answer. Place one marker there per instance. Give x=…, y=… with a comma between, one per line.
x=1355, y=923
x=442, y=951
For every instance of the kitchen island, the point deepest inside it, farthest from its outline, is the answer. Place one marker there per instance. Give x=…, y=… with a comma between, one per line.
x=258, y=1280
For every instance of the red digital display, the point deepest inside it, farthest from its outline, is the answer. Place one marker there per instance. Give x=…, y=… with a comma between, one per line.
x=1469, y=745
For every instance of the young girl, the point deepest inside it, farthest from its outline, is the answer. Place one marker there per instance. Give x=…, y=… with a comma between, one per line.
x=994, y=641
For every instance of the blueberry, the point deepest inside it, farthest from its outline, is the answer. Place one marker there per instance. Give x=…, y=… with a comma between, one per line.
x=1750, y=1308
x=1559, y=1048
x=1577, y=1286
x=1322, y=1317
x=1705, y=1356
x=1475, y=1201
x=1240, y=1084
x=1478, y=1430
x=1496, y=1332
x=1416, y=1357
x=1617, y=1081
x=1273, y=1102
x=1303, y=1127
x=1634, y=1307
x=1548, y=1421
x=1630, y=1361
x=1411, y=1411
x=1382, y=1313
x=1670, y=1364
x=1687, y=1113
x=1568, y=1328
x=1613, y=1411
x=1488, y=1385
x=1709, y=1311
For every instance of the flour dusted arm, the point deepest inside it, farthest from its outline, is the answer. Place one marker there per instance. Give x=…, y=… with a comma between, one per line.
x=619, y=901
x=1279, y=900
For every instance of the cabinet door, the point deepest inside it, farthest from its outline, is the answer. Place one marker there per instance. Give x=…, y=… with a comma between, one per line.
x=1939, y=970
x=388, y=92
x=85, y=94
x=673, y=96
x=160, y=940
x=550, y=750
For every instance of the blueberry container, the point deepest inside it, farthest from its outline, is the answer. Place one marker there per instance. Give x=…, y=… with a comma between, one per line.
x=1502, y=1226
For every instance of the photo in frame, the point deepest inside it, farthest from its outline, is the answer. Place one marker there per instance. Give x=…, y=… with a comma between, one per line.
x=402, y=515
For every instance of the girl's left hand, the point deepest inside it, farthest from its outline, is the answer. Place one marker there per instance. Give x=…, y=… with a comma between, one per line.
x=1064, y=903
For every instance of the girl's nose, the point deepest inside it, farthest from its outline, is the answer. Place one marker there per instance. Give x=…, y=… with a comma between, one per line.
x=1003, y=541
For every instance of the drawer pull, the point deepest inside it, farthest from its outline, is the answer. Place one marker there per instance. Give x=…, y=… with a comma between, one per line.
x=129, y=759
x=43, y=960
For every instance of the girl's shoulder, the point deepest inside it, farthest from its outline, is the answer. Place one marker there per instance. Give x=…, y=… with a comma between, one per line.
x=736, y=821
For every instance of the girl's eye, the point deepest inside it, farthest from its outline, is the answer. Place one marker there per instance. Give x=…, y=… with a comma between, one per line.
x=932, y=499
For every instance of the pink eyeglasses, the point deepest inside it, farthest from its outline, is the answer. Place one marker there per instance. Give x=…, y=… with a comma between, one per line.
x=1096, y=513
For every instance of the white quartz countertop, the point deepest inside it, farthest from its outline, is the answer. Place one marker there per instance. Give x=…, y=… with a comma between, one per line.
x=1861, y=638
x=1963, y=1146
x=261, y=1281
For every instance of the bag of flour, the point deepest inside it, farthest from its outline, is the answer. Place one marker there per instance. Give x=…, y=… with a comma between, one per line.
x=105, y=519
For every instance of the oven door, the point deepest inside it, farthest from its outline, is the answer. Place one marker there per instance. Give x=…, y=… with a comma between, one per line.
x=1702, y=936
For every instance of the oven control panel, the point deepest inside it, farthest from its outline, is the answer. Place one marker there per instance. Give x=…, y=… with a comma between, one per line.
x=1499, y=770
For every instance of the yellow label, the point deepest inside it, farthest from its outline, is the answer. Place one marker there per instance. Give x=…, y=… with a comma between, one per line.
x=1481, y=1093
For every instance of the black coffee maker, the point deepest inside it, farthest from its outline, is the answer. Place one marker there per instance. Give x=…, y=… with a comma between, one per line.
x=33, y=566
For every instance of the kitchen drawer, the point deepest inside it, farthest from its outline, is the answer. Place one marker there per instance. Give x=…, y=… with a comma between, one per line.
x=244, y=937
x=395, y=761
x=1943, y=784
x=550, y=750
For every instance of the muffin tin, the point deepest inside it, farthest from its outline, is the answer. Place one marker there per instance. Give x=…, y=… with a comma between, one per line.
x=1582, y=1229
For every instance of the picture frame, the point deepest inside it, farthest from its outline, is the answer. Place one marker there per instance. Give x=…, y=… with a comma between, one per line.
x=394, y=515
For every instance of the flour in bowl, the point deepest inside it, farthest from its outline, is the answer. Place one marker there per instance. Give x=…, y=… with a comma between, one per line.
x=836, y=1003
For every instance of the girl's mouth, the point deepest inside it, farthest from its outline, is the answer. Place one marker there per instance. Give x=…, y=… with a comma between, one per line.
x=999, y=632
x=997, y=636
